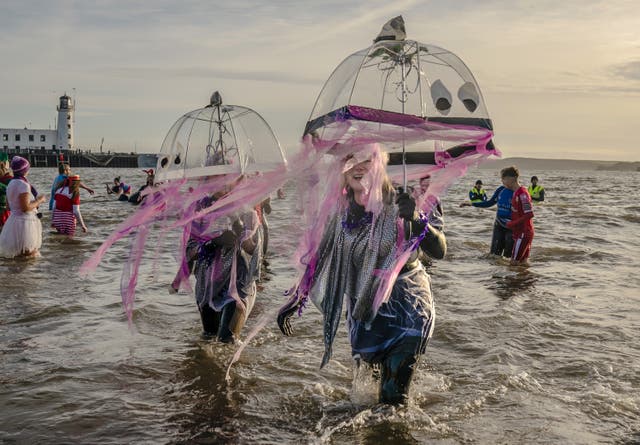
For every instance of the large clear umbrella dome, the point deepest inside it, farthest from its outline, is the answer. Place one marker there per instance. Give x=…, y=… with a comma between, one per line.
x=437, y=84
x=399, y=83
x=219, y=139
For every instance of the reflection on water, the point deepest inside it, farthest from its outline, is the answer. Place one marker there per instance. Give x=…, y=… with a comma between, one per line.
x=508, y=346
x=206, y=405
x=392, y=433
x=516, y=282
x=17, y=266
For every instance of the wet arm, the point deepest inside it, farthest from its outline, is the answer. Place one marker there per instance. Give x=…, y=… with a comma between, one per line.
x=434, y=243
x=90, y=190
x=76, y=211
x=489, y=202
x=26, y=204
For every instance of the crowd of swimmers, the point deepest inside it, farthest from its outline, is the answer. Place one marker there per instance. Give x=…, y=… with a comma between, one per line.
x=122, y=190
x=20, y=225
x=388, y=337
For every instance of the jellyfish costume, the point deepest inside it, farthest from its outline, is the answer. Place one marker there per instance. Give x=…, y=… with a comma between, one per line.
x=217, y=163
x=390, y=105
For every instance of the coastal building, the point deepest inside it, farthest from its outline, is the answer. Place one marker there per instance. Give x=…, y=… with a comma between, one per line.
x=28, y=139
x=46, y=148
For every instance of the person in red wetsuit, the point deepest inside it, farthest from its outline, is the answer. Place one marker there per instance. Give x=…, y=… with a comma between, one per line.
x=521, y=223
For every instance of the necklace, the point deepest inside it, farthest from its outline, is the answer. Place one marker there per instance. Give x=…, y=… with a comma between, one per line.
x=355, y=217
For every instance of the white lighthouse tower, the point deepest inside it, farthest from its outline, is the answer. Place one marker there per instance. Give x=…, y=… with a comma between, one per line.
x=65, y=123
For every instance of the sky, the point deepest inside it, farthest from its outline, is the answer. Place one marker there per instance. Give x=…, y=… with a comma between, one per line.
x=560, y=79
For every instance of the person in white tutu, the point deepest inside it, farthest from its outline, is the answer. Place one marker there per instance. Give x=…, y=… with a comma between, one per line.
x=22, y=233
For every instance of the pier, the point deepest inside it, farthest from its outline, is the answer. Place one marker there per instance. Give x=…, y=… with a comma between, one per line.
x=76, y=158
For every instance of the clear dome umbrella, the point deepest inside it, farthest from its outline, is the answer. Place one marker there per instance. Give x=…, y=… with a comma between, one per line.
x=218, y=139
x=215, y=163
x=421, y=101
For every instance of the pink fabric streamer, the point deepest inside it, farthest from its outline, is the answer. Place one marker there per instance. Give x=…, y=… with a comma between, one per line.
x=260, y=324
x=325, y=198
x=130, y=273
x=174, y=205
x=233, y=287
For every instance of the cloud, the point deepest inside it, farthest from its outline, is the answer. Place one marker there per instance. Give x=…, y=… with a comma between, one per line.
x=203, y=72
x=629, y=71
x=144, y=63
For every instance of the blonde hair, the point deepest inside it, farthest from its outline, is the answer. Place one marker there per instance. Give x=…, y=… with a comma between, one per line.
x=388, y=191
x=381, y=158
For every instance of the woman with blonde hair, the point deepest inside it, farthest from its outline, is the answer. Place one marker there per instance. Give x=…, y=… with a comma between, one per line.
x=367, y=258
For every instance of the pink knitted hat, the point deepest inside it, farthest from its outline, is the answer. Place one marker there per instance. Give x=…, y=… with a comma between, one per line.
x=19, y=165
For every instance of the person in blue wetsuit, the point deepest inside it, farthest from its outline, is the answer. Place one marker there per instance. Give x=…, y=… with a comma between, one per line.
x=502, y=240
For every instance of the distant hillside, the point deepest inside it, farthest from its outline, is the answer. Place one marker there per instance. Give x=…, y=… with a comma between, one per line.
x=532, y=164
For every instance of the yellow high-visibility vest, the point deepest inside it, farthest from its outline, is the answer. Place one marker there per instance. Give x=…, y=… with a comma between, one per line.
x=476, y=195
x=535, y=191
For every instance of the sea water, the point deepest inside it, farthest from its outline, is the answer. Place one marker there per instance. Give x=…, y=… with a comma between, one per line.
x=545, y=354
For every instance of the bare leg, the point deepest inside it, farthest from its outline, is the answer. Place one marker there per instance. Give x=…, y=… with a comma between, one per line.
x=234, y=316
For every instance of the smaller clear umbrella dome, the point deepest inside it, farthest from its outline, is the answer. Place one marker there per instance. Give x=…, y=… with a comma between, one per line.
x=219, y=139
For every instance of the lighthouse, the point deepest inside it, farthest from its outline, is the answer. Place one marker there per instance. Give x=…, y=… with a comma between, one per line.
x=65, y=123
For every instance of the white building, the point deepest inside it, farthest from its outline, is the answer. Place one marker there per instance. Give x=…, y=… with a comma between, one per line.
x=29, y=139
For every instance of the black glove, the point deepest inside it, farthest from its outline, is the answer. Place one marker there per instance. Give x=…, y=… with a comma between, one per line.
x=406, y=206
x=286, y=312
x=226, y=239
